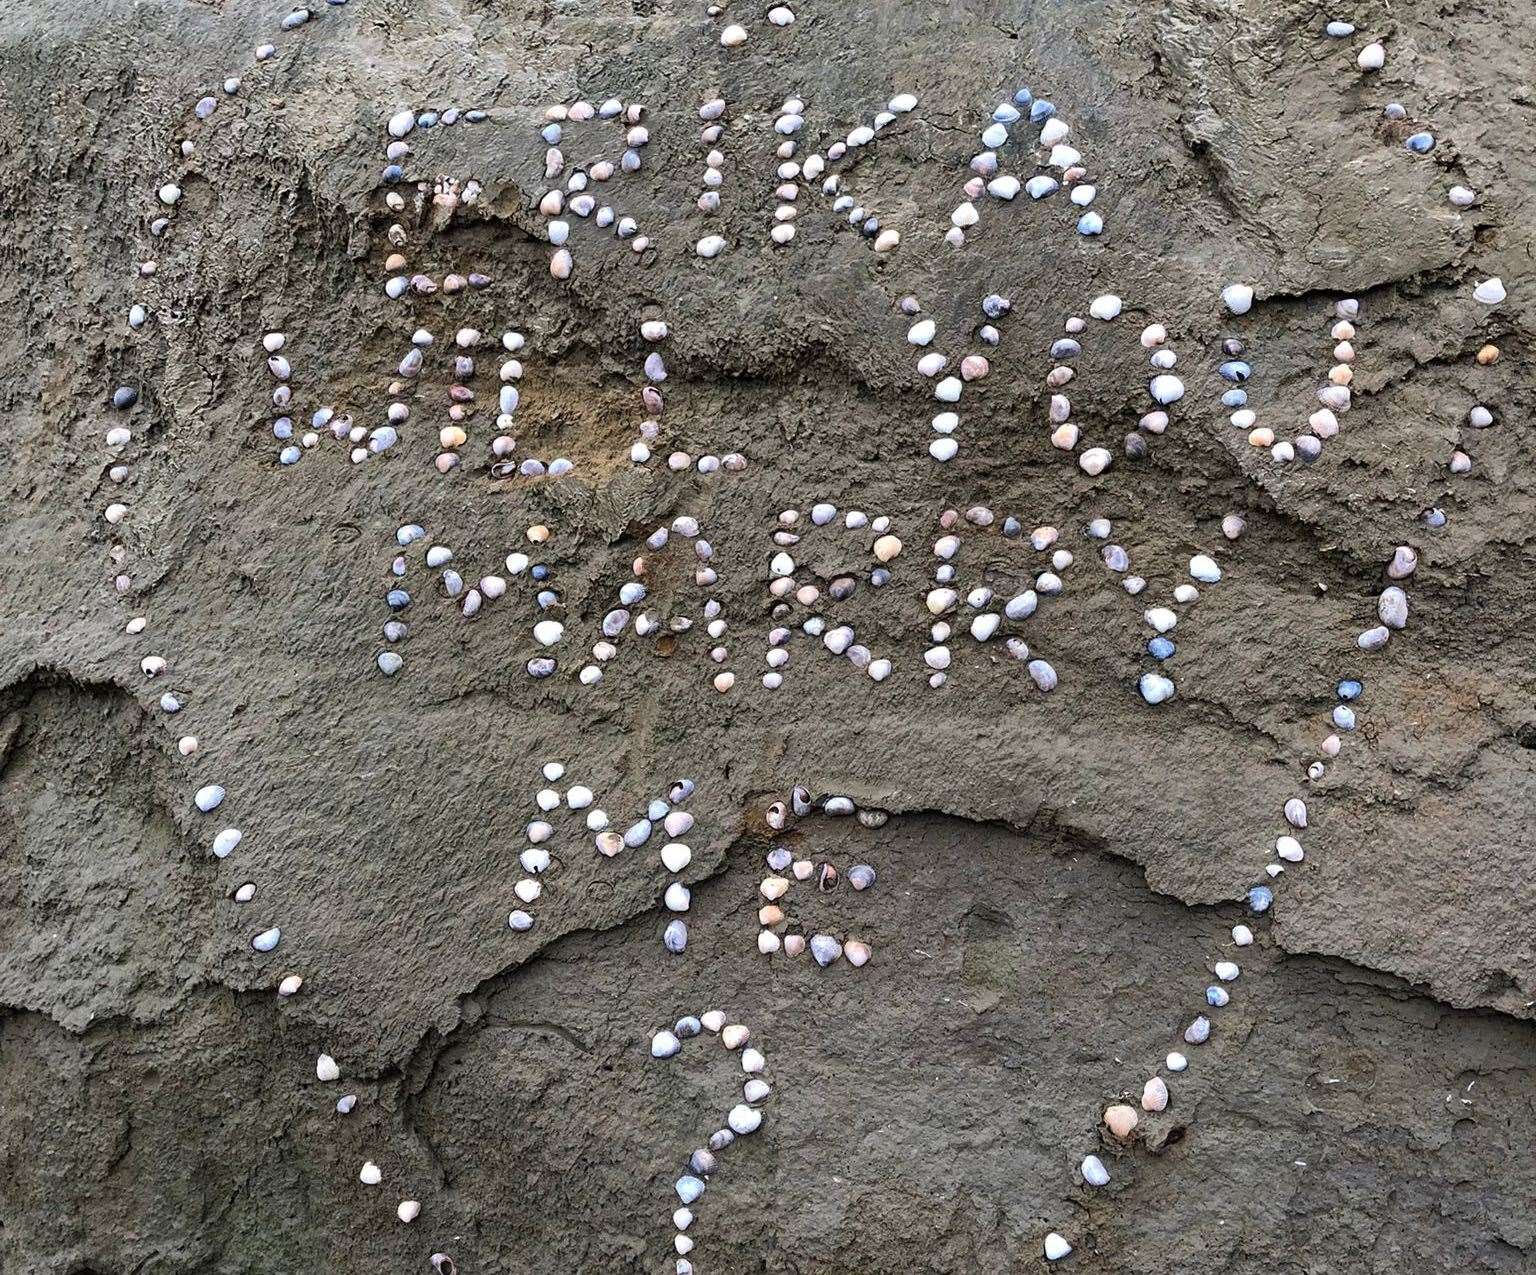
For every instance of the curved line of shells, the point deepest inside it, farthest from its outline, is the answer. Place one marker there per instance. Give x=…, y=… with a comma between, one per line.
x=211, y=798
x=743, y=1119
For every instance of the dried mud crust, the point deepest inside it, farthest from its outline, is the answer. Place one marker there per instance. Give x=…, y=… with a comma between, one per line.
x=1059, y=868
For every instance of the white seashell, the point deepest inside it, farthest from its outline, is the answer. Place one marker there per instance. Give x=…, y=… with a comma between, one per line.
x=1093, y=1171
x=1105, y=307
x=1204, y=568
x=409, y=1210
x=1237, y=297
x=370, y=1174
x=675, y=856
x=290, y=985
x=677, y=897
x=1056, y=1247
x=1373, y=57
x=326, y=1068
x=226, y=841
x=1490, y=291
x=733, y=1036
x=744, y=1119
x=713, y=1020
x=710, y=246
x=1095, y=461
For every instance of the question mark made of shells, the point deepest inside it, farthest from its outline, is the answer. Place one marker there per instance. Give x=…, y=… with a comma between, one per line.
x=743, y=1119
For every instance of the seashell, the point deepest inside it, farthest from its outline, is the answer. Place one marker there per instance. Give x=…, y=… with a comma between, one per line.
x=665, y=1045
x=752, y=1061
x=1405, y=561
x=1093, y=1171
x=675, y=856
x=858, y=953
x=744, y=1119
x=408, y=1211
x=609, y=842
x=734, y=1036
x=677, y=897
x=267, y=939
x=370, y=1174
x=1056, y=1247
x=1237, y=297
x=1154, y=1095
x=209, y=798
x=1121, y=1120
x=826, y=878
x=1296, y=812
x=712, y=1019
x=675, y=937
x=1203, y=568
x=825, y=949
x=794, y=944
x=774, y=888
